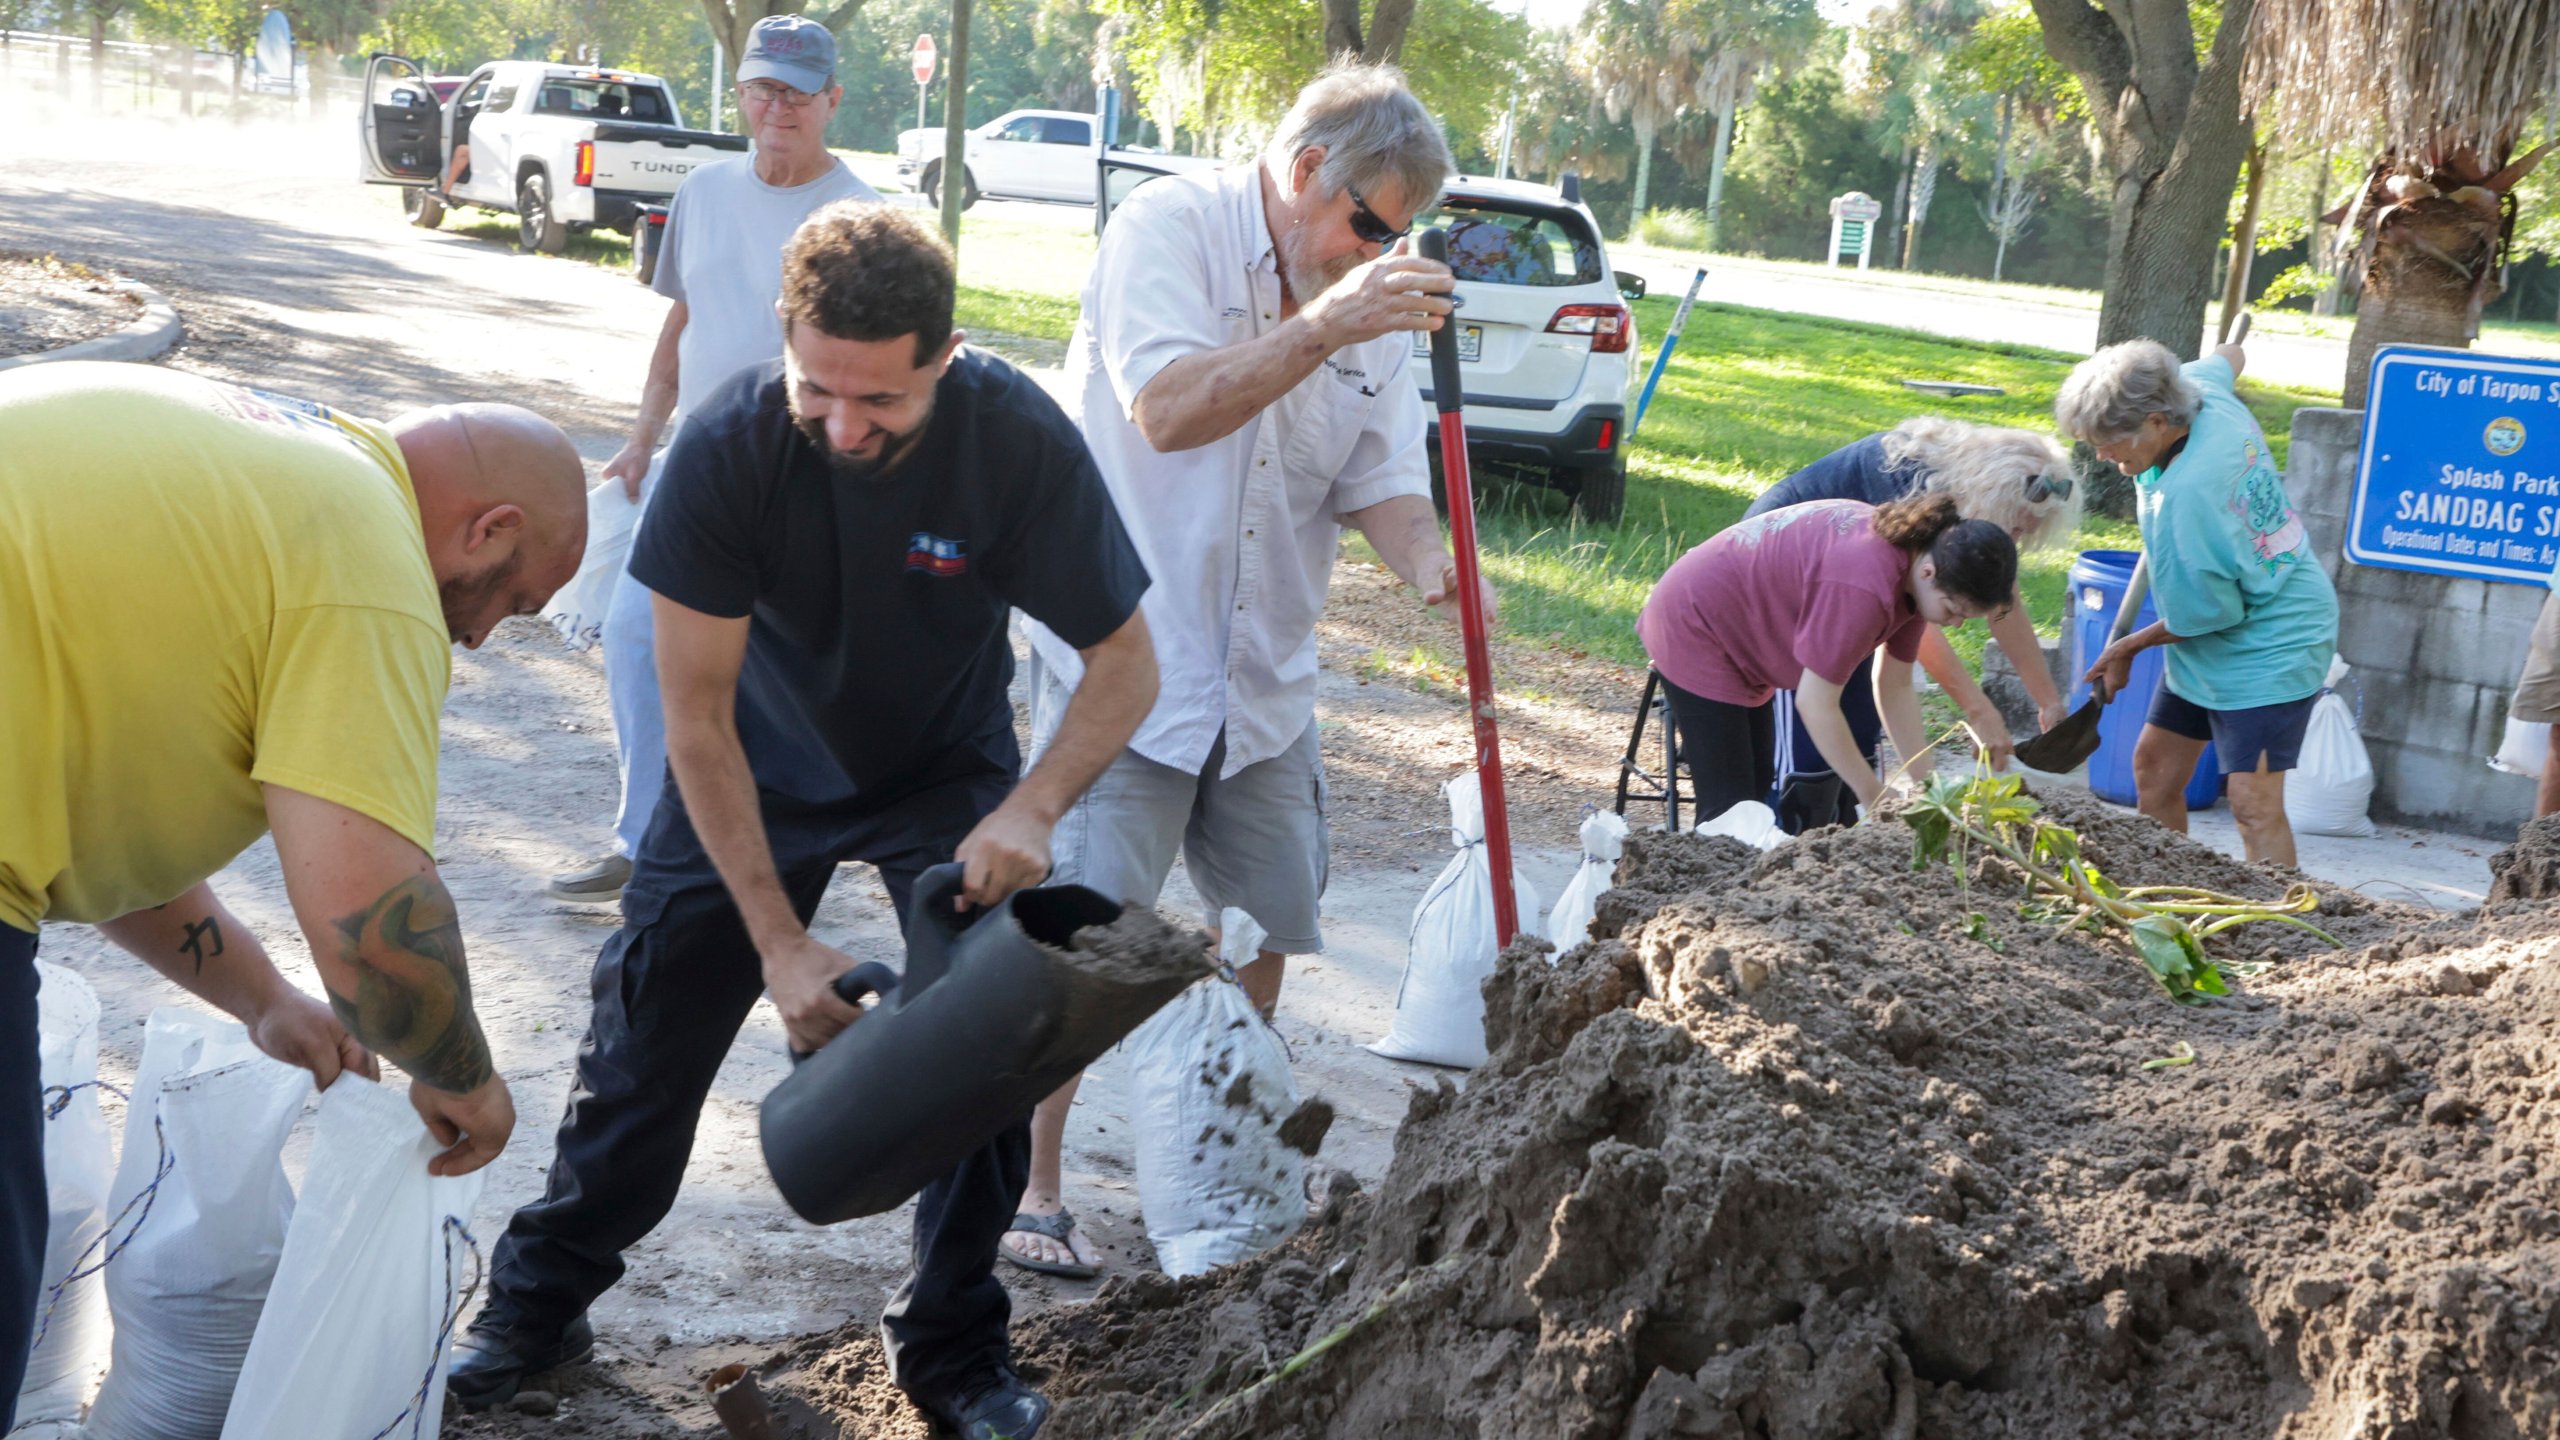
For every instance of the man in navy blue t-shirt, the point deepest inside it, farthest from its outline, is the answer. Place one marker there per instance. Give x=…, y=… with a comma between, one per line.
x=833, y=553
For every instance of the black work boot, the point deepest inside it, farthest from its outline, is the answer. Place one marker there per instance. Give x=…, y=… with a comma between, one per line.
x=497, y=1355
x=1002, y=1407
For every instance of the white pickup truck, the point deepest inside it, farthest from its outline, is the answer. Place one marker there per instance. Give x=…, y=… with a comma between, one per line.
x=561, y=147
x=1030, y=155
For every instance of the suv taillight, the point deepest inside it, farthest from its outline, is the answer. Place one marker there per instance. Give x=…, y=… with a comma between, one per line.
x=1609, y=326
x=586, y=162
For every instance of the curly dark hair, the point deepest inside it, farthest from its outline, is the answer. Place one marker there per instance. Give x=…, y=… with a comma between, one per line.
x=859, y=270
x=1976, y=559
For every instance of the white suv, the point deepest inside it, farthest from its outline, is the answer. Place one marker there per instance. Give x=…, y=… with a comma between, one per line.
x=1545, y=339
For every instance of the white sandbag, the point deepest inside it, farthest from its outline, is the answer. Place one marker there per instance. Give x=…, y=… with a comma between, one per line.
x=71, y=1310
x=376, y=1268
x=1604, y=836
x=1451, y=947
x=1750, y=822
x=1209, y=1087
x=2524, y=749
x=578, y=610
x=186, y=1287
x=2331, y=785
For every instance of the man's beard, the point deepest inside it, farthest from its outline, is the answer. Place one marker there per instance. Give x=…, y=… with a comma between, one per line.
x=1305, y=278
x=462, y=596
x=894, y=448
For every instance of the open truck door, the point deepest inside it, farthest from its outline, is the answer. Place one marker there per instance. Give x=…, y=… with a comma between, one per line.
x=403, y=124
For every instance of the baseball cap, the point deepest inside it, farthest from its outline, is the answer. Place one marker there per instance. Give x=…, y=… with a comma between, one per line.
x=792, y=49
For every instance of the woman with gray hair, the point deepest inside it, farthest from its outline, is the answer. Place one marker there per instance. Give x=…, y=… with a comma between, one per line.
x=2018, y=480
x=2248, y=614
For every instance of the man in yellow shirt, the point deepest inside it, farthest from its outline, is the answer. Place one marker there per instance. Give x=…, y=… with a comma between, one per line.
x=222, y=613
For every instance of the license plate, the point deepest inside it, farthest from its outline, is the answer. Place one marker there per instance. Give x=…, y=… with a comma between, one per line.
x=1470, y=343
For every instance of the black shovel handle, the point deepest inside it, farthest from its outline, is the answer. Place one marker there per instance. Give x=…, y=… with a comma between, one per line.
x=1447, y=385
x=868, y=978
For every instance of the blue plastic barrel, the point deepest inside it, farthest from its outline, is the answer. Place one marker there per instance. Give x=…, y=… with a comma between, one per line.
x=2098, y=581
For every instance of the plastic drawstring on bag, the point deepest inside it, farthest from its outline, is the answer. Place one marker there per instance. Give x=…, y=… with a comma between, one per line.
x=416, y=1413
x=1604, y=838
x=1451, y=947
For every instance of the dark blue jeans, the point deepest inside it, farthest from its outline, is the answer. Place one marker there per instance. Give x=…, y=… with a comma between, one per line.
x=671, y=989
x=23, y=1212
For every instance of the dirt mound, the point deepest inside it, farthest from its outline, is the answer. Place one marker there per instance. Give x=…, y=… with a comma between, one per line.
x=1790, y=1154
x=2530, y=868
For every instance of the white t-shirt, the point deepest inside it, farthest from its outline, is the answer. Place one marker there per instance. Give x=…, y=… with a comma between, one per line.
x=722, y=256
x=1239, y=534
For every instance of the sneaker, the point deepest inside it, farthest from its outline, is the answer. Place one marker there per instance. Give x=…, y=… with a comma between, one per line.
x=1002, y=1408
x=598, y=884
x=496, y=1356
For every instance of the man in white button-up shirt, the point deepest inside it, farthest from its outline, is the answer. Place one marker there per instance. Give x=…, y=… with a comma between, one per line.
x=1242, y=351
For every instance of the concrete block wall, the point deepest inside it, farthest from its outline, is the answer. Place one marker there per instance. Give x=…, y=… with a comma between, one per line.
x=2436, y=656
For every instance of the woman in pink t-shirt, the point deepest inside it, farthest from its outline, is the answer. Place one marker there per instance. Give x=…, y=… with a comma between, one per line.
x=1794, y=599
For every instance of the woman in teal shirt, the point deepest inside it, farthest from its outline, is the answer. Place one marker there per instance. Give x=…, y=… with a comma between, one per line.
x=2249, y=616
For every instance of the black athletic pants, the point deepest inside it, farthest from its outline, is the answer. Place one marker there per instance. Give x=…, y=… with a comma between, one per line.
x=1731, y=749
x=23, y=1208
x=671, y=989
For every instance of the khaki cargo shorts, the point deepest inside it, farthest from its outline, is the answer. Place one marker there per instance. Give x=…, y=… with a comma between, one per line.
x=2537, y=696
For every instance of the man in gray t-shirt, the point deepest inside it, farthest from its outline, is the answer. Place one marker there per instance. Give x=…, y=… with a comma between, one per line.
x=721, y=265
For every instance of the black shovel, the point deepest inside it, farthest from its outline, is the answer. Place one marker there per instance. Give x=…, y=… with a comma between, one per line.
x=2060, y=750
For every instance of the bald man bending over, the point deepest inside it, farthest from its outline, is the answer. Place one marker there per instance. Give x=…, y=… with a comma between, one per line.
x=221, y=613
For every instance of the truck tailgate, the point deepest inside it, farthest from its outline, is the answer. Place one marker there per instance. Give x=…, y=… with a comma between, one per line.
x=654, y=159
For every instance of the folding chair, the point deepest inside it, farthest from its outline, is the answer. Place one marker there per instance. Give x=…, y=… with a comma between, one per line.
x=1667, y=791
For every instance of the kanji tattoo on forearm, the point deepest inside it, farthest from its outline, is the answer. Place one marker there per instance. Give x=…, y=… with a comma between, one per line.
x=197, y=933
x=412, y=998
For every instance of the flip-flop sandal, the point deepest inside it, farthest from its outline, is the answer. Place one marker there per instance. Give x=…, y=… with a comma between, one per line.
x=1056, y=1227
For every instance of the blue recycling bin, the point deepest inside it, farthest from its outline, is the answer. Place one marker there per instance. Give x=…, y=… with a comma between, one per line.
x=2098, y=581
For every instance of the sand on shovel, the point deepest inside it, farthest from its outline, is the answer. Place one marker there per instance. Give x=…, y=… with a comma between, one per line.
x=1139, y=948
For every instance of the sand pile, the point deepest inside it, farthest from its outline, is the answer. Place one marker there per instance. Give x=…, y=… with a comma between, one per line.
x=1789, y=1155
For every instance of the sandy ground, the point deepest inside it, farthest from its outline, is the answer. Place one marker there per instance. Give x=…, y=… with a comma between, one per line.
x=292, y=277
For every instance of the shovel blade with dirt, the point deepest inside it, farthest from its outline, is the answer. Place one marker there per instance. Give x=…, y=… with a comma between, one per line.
x=2061, y=749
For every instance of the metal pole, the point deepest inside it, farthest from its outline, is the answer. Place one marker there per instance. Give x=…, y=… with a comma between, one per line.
x=719, y=85
x=1449, y=394
x=1510, y=120
x=1662, y=357
x=955, y=121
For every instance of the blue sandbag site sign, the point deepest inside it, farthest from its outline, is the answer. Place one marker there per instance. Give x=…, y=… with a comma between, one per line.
x=2460, y=471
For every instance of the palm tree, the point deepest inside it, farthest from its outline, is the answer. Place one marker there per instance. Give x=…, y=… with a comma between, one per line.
x=1904, y=63
x=1657, y=63
x=2442, y=89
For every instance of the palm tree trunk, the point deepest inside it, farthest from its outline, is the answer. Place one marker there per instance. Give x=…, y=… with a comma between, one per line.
x=1644, y=166
x=2244, y=245
x=1924, y=190
x=1715, y=173
x=1893, y=212
x=2434, y=249
x=2326, y=301
x=2000, y=190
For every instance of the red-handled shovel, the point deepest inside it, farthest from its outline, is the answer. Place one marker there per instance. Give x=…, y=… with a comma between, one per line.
x=1448, y=392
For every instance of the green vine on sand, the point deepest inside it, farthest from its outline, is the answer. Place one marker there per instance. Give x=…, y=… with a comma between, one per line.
x=2167, y=925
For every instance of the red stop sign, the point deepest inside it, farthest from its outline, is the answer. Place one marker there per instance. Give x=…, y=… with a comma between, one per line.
x=924, y=58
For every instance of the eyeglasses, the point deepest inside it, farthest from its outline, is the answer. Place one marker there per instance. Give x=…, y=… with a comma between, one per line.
x=1366, y=224
x=765, y=92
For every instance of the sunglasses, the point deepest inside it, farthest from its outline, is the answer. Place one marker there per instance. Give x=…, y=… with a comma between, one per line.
x=765, y=92
x=2041, y=488
x=1366, y=224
